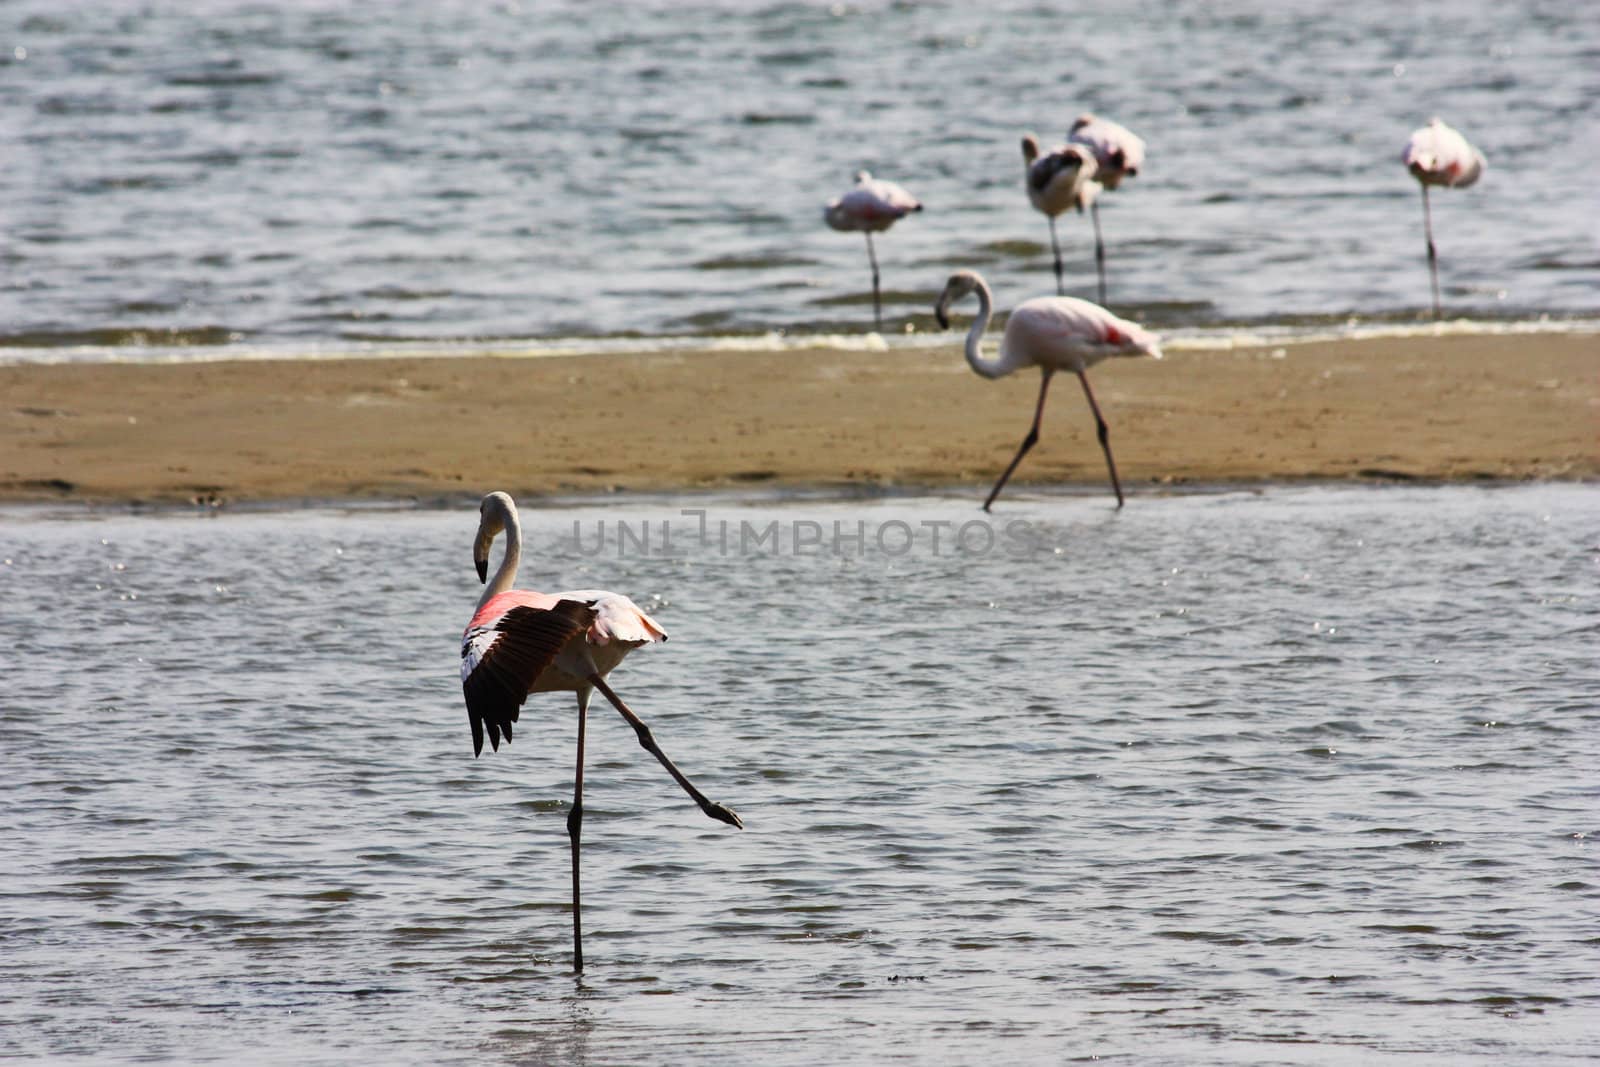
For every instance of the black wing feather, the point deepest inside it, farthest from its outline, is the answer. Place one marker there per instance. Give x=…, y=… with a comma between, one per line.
x=528, y=641
x=1046, y=167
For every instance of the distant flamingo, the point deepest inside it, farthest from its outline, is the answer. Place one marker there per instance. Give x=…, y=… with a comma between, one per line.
x=1057, y=180
x=521, y=642
x=1052, y=333
x=1119, y=154
x=1438, y=155
x=872, y=206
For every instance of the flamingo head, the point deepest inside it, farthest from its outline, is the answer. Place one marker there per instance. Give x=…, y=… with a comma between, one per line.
x=492, y=512
x=1030, y=148
x=962, y=283
x=1117, y=168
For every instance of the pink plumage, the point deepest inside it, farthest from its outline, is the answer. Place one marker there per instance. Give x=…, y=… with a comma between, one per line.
x=1117, y=150
x=519, y=642
x=1059, y=179
x=498, y=605
x=1118, y=154
x=1065, y=333
x=1438, y=154
x=871, y=207
x=1053, y=333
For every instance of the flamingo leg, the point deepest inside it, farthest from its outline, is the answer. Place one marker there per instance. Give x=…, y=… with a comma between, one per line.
x=1104, y=434
x=575, y=832
x=877, y=310
x=1433, y=254
x=1028, y=441
x=1055, y=246
x=1099, y=249
x=647, y=741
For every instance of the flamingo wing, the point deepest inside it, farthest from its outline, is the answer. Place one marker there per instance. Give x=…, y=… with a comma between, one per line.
x=616, y=618
x=1065, y=333
x=874, y=204
x=502, y=657
x=1062, y=178
x=1118, y=150
x=891, y=198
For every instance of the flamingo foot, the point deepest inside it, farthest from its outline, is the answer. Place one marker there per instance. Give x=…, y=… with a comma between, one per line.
x=723, y=814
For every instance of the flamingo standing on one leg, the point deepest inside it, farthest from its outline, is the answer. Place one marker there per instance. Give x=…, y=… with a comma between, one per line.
x=1438, y=155
x=1057, y=180
x=521, y=642
x=872, y=206
x=1052, y=333
x=1119, y=154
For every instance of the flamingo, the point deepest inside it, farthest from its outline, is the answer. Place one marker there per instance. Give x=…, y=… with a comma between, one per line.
x=872, y=206
x=1119, y=154
x=1057, y=180
x=1438, y=155
x=520, y=642
x=1052, y=333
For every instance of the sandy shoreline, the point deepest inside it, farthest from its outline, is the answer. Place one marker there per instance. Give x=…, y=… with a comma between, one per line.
x=1442, y=408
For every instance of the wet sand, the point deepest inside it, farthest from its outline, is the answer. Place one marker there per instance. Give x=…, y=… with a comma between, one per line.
x=1450, y=408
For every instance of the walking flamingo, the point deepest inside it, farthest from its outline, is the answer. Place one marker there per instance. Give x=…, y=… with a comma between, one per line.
x=1118, y=154
x=1052, y=333
x=872, y=206
x=521, y=642
x=1057, y=180
x=1438, y=155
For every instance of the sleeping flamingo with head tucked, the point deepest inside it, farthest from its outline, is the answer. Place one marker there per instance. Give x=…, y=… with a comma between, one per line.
x=871, y=207
x=1438, y=155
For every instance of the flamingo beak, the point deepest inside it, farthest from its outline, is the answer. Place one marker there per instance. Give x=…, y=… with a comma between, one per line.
x=938, y=310
x=480, y=553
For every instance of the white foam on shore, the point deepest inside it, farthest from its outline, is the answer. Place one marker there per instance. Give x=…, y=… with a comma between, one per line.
x=535, y=348
x=1178, y=339
x=1356, y=330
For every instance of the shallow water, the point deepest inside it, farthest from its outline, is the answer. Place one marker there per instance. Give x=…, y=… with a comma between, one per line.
x=1297, y=776
x=242, y=174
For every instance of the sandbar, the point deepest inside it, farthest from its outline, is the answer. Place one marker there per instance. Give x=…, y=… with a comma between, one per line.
x=1446, y=408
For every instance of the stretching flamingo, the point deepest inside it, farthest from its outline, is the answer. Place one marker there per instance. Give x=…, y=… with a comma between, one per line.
x=1438, y=155
x=521, y=642
x=872, y=206
x=1052, y=333
x=1057, y=180
x=1119, y=154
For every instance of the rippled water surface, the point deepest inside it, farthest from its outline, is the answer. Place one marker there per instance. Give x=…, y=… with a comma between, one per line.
x=304, y=173
x=1285, y=777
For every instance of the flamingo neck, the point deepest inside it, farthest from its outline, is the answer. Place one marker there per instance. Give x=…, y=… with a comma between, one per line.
x=988, y=368
x=506, y=574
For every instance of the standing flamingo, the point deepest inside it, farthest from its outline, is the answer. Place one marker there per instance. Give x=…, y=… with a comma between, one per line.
x=1061, y=178
x=1052, y=333
x=1119, y=154
x=1438, y=155
x=873, y=205
x=521, y=642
